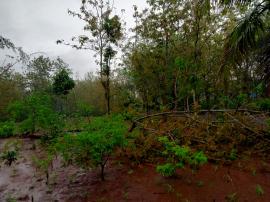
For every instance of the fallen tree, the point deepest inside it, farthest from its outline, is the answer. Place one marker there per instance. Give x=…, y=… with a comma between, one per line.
x=223, y=134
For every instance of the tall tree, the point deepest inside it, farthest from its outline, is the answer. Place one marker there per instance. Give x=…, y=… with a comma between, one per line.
x=39, y=74
x=159, y=26
x=11, y=84
x=104, y=31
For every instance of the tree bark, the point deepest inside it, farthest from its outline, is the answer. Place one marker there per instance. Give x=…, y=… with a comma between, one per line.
x=102, y=166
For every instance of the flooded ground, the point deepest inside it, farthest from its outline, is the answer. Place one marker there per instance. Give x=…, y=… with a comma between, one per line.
x=124, y=182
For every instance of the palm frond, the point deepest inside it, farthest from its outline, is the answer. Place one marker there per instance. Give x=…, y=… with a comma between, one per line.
x=245, y=34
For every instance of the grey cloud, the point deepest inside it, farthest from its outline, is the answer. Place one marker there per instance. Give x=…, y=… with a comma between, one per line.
x=35, y=25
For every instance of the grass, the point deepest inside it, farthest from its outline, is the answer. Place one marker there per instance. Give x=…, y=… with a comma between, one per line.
x=232, y=197
x=169, y=188
x=259, y=190
x=125, y=195
x=10, y=199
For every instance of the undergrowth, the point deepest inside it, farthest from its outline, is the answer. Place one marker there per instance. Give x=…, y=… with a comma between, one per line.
x=178, y=156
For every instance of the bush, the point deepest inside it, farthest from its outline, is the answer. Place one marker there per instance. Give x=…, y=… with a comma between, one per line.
x=9, y=157
x=234, y=102
x=107, y=124
x=263, y=104
x=177, y=156
x=10, y=151
x=94, y=148
x=84, y=109
x=18, y=111
x=51, y=123
x=233, y=155
x=7, y=129
x=26, y=126
x=166, y=170
x=259, y=190
x=35, y=113
x=43, y=164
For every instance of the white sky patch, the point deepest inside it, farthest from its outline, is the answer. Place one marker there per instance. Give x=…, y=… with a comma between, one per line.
x=35, y=25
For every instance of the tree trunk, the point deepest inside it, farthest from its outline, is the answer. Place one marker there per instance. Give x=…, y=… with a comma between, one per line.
x=187, y=103
x=194, y=97
x=108, y=96
x=207, y=97
x=47, y=177
x=102, y=166
x=175, y=94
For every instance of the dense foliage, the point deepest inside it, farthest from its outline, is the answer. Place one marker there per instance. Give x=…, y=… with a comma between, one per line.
x=95, y=147
x=62, y=82
x=6, y=129
x=36, y=113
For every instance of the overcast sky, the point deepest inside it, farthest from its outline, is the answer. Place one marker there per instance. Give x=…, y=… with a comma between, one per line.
x=35, y=25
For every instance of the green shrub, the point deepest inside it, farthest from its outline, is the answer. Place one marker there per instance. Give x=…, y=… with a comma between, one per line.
x=166, y=170
x=207, y=104
x=233, y=155
x=259, y=190
x=240, y=100
x=128, y=115
x=234, y=102
x=76, y=123
x=26, y=126
x=263, y=104
x=197, y=159
x=177, y=156
x=9, y=198
x=107, y=124
x=7, y=129
x=94, y=148
x=10, y=150
x=36, y=113
x=43, y=164
x=18, y=111
x=51, y=123
x=84, y=109
x=9, y=157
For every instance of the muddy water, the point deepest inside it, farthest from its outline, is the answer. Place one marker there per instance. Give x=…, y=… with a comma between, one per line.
x=21, y=181
x=24, y=182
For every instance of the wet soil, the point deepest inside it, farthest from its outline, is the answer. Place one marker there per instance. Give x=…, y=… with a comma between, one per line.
x=126, y=182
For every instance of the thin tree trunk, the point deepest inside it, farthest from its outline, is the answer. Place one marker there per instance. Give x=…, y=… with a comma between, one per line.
x=102, y=166
x=175, y=94
x=207, y=97
x=108, y=95
x=194, y=97
x=102, y=173
x=187, y=103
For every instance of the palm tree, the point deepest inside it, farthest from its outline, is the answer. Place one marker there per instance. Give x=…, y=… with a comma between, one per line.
x=251, y=29
x=251, y=35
